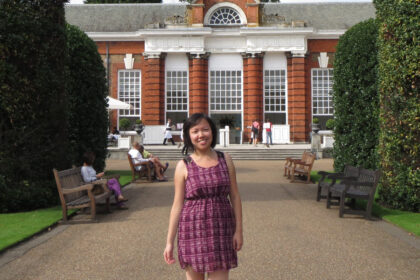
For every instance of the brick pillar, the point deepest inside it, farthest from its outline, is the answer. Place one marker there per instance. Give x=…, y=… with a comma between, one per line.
x=296, y=97
x=253, y=92
x=198, y=82
x=153, y=95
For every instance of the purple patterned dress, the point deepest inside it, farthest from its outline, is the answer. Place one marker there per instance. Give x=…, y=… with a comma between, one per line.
x=207, y=223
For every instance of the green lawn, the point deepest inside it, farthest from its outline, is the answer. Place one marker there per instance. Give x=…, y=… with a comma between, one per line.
x=407, y=220
x=15, y=227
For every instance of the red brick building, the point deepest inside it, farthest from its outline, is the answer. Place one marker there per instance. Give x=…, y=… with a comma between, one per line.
x=236, y=60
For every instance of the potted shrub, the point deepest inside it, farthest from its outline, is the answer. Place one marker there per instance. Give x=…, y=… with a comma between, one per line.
x=330, y=124
x=124, y=124
x=139, y=127
x=315, y=125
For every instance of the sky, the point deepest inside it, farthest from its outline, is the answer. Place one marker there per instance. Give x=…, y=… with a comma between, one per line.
x=282, y=1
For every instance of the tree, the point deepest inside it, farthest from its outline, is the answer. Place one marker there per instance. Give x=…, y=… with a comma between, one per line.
x=87, y=91
x=33, y=108
x=399, y=82
x=120, y=1
x=356, y=100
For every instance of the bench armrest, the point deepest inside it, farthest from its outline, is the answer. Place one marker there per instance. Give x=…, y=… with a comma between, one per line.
x=86, y=187
x=335, y=175
x=357, y=183
x=303, y=163
x=113, y=176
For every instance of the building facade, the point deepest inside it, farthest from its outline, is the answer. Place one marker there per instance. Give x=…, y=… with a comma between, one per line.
x=236, y=60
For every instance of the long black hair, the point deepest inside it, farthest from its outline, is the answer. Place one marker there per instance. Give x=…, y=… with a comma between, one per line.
x=192, y=121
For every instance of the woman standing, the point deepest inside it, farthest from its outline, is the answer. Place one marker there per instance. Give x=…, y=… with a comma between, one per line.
x=209, y=223
x=168, y=134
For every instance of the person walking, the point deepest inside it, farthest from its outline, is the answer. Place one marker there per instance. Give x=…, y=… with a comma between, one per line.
x=209, y=224
x=255, y=128
x=168, y=134
x=269, y=125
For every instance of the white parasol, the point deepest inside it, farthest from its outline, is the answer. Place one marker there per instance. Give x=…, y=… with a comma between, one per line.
x=115, y=104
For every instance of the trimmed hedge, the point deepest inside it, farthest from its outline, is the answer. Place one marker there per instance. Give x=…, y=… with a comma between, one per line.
x=399, y=82
x=32, y=102
x=120, y=1
x=356, y=101
x=87, y=91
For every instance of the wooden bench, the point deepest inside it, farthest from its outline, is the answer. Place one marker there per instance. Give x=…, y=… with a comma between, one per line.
x=289, y=163
x=140, y=173
x=364, y=188
x=302, y=167
x=75, y=193
x=350, y=172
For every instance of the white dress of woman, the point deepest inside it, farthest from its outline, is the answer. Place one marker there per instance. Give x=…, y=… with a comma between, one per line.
x=168, y=134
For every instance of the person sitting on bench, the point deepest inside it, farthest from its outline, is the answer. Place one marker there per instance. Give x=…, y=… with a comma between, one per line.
x=153, y=159
x=139, y=162
x=89, y=175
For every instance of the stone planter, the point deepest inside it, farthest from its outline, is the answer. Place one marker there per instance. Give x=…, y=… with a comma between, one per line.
x=315, y=127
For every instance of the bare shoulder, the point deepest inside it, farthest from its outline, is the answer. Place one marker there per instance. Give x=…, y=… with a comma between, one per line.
x=180, y=166
x=228, y=158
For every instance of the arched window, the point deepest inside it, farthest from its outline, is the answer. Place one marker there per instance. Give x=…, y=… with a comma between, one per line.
x=225, y=16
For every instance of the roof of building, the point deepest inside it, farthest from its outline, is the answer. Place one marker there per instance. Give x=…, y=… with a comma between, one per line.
x=133, y=17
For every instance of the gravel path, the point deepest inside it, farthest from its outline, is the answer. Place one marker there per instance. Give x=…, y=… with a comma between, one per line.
x=287, y=235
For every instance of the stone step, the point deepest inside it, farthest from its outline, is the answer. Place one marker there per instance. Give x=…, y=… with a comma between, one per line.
x=243, y=154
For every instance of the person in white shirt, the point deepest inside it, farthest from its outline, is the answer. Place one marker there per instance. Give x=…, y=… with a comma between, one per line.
x=168, y=134
x=140, y=162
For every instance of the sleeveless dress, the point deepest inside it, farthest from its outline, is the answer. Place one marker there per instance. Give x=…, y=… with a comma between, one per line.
x=207, y=223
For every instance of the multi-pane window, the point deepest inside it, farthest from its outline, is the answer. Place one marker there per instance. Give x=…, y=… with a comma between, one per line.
x=322, y=81
x=275, y=91
x=176, y=91
x=224, y=16
x=226, y=90
x=129, y=91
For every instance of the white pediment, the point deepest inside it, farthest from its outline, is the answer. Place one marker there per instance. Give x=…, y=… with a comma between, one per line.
x=174, y=44
x=276, y=43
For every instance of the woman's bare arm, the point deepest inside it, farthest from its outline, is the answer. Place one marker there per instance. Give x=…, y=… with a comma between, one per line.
x=235, y=199
x=179, y=182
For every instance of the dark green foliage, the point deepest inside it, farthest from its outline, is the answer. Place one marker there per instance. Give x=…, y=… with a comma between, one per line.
x=125, y=123
x=399, y=82
x=330, y=124
x=120, y=1
x=356, y=101
x=87, y=90
x=33, y=136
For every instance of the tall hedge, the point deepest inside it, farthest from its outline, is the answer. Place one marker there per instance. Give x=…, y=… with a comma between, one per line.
x=399, y=82
x=32, y=102
x=356, y=99
x=87, y=90
x=120, y=1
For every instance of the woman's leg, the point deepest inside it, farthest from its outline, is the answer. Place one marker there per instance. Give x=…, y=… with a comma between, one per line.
x=219, y=275
x=192, y=275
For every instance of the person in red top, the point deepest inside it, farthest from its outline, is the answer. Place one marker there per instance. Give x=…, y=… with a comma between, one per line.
x=268, y=130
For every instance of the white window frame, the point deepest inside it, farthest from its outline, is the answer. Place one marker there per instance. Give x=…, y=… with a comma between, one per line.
x=282, y=74
x=131, y=98
x=232, y=88
x=177, y=62
x=183, y=90
x=215, y=7
x=321, y=93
